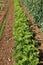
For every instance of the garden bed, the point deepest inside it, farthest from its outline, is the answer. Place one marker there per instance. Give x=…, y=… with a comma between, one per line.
x=24, y=39
x=19, y=9
x=36, y=30
x=17, y=25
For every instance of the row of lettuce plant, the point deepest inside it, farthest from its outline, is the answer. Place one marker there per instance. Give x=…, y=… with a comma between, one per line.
x=25, y=52
x=35, y=8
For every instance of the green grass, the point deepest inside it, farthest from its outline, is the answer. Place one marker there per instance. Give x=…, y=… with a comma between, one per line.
x=25, y=52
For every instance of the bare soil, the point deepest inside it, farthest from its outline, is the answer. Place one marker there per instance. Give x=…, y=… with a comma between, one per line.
x=7, y=42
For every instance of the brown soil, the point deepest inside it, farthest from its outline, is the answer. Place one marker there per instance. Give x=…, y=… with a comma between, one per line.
x=35, y=29
x=7, y=42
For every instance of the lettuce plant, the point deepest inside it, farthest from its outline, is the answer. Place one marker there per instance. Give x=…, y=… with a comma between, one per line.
x=25, y=52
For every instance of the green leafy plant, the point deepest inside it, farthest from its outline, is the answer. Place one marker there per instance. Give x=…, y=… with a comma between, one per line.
x=25, y=52
x=35, y=8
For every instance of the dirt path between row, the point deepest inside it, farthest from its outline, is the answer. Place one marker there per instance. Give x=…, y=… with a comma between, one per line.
x=7, y=42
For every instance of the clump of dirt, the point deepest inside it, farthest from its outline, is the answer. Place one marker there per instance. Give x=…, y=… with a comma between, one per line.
x=7, y=42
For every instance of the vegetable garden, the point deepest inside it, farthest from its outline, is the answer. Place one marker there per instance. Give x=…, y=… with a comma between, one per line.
x=26, y=34
x=35, y=8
